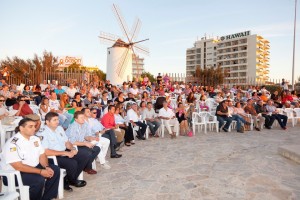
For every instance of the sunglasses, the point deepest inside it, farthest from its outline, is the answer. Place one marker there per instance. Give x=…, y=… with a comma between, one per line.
x=2, y=100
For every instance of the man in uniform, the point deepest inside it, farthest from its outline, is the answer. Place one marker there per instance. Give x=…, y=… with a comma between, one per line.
x=24, y=152
x=79, y=134
x=56, y=143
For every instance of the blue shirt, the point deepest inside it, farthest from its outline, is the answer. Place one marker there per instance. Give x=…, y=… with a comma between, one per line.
x=57, y=91
x=95, y=125
x=54, y=140
x=77, y=132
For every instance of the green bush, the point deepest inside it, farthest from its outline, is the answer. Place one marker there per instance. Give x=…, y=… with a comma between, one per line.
x=273, y=88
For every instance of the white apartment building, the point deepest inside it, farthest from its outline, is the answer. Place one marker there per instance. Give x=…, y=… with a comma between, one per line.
x=137, y=65
x=243, y=57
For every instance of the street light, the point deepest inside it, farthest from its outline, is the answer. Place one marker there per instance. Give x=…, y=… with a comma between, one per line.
x=293, y=67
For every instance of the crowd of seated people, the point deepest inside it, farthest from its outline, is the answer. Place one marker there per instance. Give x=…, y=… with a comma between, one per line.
x=87, y=122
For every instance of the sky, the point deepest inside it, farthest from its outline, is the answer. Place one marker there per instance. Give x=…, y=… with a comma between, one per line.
x=72, y=27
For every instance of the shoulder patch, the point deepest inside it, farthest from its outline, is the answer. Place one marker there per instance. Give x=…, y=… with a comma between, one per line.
x=12, y=149
x=14, y=140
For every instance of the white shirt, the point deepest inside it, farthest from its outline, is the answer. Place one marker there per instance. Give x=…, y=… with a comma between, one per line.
x=43, y=86
x=54, y=104
x=166, y=113
x=134, y=91
x=71, y=92
x=95, y=92
x=131, y=114
x=150, y=114
x=43, y=114
x=19, y=149
x=119, y=119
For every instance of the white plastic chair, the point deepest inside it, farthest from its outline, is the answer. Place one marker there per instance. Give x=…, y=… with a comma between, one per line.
x=198, y=120
x=10, y=192
x=63, y=173
x=297, y=115
x=210, y=121
x=289, y=112
x=163, y=128
x=11, y=187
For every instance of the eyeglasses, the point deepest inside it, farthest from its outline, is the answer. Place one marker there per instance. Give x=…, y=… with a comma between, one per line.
x=2, y=100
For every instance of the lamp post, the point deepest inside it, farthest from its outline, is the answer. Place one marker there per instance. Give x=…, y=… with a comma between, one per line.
x=294, y=41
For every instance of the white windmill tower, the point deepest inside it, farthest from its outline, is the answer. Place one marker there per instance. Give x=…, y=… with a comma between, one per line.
x=119, y=55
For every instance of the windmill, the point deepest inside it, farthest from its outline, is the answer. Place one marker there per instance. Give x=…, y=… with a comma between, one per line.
x=119, y=55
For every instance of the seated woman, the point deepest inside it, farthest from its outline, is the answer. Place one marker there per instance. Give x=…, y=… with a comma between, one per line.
x=143, y=106
x=64, y=103
x=202, y=104
x=77, y=103
x=240, y=111
x=3, y=111
x=120, y=98
x=30, y=95
x=181, y=116
x=44, y=107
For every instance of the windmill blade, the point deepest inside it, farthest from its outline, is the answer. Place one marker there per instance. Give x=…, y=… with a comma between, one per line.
x=108, y=38
x=122, y=63
x=141, y=49
x=121, y=21
x=135, y=30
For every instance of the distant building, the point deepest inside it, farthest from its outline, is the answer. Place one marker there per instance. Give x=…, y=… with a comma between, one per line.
x=244, y=57
x=137, y=66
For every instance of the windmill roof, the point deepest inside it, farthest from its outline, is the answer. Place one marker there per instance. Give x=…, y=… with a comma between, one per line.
x=119, y=43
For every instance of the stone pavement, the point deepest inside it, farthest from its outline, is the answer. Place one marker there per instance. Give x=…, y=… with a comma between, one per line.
x=216, y=166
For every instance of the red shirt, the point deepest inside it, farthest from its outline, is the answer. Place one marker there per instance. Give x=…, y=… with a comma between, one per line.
x=25, y=110
x=108, y=120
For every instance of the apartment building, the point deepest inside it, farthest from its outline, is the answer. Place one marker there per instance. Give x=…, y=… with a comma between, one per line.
x=243, y=57
x=137, y=65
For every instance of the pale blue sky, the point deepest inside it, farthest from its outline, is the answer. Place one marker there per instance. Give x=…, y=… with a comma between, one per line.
x=71, y=27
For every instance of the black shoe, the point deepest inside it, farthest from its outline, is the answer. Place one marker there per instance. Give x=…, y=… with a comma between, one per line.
x=116, y=156
x=224, y=129
x=268, y=127
x=79, y=183
x=256, y=128
x=68, y=188
x=140, y=137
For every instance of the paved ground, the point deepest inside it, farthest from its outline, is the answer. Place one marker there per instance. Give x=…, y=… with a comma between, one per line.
x=213, y=166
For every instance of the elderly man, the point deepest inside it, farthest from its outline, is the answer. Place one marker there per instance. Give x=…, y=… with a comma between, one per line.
x=258, y=119
x=272, y=111
x=239, y=120
x=261, y=109
x=152, y=121
x=56, y=143
x=168, y=117
x=80, y=134
x=135, y=121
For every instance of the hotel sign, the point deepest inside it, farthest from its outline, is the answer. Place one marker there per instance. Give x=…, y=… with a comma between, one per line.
x=66, y=61
x=236, y=35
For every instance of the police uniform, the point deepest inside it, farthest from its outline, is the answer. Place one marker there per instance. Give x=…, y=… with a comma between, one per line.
x=55, y=140
x=19, y=149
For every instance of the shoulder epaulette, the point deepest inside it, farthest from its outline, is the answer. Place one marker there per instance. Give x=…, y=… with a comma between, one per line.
x=14, y=140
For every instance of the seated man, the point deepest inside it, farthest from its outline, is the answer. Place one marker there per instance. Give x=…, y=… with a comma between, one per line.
x=96, y=128
x=272, y=111
x=24, y=152
x=79, y=134
x=169, y=118
x=56, y=143
x=261, y=109
x=258, y=119
x=108, y=121
x=152, y=121
x=135, y=121
x=223, y=115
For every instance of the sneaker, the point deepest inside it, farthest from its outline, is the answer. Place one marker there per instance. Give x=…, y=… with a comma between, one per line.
x=105, y=166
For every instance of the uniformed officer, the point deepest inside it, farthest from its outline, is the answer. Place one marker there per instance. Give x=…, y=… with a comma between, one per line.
x=24, y=152
x=56, y=143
